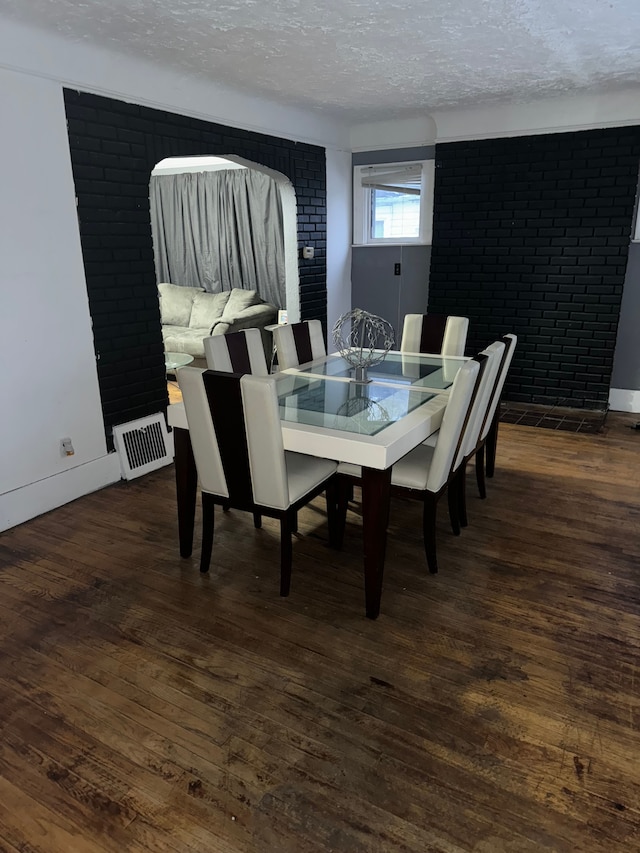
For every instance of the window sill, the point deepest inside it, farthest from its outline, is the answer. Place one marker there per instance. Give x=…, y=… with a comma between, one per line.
x=382, y=245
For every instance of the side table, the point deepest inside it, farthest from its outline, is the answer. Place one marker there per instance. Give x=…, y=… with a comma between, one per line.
x=174, y=360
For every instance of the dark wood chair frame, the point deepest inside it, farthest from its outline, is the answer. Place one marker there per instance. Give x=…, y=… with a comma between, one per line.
x=288, y=525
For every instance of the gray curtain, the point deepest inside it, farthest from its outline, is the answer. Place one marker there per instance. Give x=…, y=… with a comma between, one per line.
x=219, y=230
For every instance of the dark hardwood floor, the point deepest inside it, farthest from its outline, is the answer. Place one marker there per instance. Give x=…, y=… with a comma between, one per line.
x=492, y=707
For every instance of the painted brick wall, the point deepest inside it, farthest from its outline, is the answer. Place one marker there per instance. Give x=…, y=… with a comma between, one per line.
x=114, y=146
x=531, y=235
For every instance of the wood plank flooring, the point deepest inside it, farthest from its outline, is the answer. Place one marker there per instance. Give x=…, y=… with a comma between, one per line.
x=492, y=707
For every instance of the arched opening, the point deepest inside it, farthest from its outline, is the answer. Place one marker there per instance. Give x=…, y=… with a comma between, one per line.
x=221, y=222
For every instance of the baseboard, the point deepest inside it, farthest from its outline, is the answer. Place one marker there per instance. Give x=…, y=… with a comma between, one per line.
x=622, y=400
x=42, y=496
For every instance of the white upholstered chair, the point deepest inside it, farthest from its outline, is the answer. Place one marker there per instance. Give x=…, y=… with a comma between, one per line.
x=298, y=343
x=434, y=333
x=489, y=436
x=237, y=352
x=234, y=426
x=425, y=472
x=477, y=417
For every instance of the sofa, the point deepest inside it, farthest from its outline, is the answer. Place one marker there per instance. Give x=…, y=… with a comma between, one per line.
x=189, y=314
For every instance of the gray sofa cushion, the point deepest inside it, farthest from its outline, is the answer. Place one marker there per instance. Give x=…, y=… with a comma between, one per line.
x=176, y=303
x=183, y=339
x=240, y=300
x=255, y=316
x=207, y=309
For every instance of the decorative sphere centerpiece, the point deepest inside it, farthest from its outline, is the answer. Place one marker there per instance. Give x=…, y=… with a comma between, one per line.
x=362, y=339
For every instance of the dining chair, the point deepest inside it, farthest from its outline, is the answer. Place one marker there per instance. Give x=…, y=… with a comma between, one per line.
x=477, y=417
x=298, y=343
x=487, y=452
x=236, y=352
x=426, y=471
x=234, y=425
x=434, y=333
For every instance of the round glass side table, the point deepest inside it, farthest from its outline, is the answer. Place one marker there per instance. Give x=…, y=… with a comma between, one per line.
x=173, y=360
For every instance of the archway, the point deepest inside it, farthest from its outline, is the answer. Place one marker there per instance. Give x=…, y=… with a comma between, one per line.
x=283, y=227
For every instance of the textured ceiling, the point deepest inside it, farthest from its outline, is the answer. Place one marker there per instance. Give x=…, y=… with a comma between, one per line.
x=367, y=60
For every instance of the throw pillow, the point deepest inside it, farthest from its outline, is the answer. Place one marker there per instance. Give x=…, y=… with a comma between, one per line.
x=175, y=303
x=207, y=309
x=239, y=301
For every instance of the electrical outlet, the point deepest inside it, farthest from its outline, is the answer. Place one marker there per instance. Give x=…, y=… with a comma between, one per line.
x=66, y=447
x=396, y=269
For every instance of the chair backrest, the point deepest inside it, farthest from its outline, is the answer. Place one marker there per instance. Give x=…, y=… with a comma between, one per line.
x=481, y=401
x=264, y=441
x=434, y=333
x=510, y=342
x=453, y=422
x=235, y=431
x=201, y=431
x=237, y=352
x=298, y=343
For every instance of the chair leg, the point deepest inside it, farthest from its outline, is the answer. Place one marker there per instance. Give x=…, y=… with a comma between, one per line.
x=257, y=520
x=462, y=494
x=287, y=521
x=344, y=488
x=208, y=517
x=226, y=506
x=294, y=523
x=482, y=488
x=336, y=525
x=492, y=443
x=429, y=531
x=452, y=498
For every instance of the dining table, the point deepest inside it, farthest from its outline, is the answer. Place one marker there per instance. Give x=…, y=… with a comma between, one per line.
x=324, y=412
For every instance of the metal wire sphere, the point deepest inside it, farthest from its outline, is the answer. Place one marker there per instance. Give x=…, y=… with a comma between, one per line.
x=367, y=333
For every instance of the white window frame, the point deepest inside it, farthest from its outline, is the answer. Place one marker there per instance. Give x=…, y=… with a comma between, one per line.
x=362, y=205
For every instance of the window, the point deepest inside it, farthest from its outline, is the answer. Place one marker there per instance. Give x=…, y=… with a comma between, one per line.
x=393, y=203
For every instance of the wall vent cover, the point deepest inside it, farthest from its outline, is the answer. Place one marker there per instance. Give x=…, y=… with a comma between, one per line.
x=142, y=446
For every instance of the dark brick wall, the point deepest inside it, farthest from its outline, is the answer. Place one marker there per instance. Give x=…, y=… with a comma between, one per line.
x=114, y=146
x=531, y=235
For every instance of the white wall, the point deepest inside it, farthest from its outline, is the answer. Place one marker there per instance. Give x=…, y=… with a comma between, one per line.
x=90, y=69
x=48, y=383
x=550, y=115
x=48, y=376
x=338, y=236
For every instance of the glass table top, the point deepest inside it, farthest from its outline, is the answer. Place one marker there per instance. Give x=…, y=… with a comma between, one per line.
x=173, y=360
x=405, y=369
x=365, y=409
